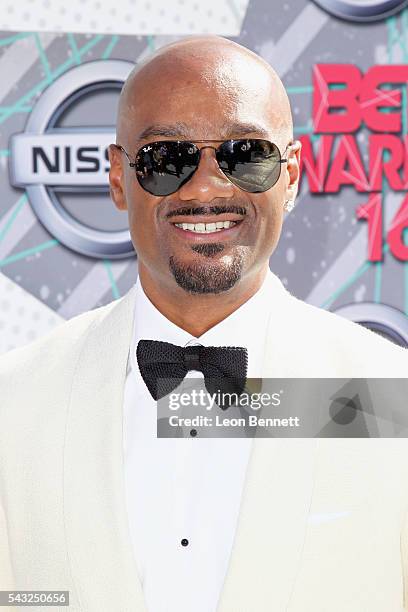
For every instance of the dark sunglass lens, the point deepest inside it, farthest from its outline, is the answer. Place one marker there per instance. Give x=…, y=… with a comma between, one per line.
x=253, y=164
x=162, y=167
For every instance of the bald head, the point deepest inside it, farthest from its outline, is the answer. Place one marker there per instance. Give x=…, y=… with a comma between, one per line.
x=203, y=89
x=195, y=78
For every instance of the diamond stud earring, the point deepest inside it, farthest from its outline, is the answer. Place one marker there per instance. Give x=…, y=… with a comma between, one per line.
x=289, y=205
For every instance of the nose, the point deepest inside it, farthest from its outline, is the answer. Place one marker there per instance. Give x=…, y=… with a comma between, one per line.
x=208, y=181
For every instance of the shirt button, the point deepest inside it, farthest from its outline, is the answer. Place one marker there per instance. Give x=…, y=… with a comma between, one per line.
x=184, y=542
x=193, y=433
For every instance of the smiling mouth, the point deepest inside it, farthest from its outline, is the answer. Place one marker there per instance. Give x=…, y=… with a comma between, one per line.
x=207, y=228
x=197, y=222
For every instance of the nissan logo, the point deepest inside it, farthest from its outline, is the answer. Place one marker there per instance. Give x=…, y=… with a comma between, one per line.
x=51, y=161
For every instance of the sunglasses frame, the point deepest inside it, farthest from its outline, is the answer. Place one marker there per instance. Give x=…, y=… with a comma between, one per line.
x=132, y=164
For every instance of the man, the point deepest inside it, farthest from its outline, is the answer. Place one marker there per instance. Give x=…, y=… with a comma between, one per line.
x=92, y=502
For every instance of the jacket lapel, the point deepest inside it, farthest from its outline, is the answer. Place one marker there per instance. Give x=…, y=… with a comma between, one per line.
x=99, y=547
x=267, y=552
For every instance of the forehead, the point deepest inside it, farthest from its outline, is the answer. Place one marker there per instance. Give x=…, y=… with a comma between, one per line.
x=215, y=99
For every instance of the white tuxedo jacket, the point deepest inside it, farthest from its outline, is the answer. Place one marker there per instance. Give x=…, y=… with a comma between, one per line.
x=322, y=522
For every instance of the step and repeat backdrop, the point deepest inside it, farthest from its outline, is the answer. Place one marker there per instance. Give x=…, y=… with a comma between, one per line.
x=65, y=248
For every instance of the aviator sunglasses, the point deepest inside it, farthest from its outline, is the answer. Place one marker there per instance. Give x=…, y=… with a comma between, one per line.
x=162, y=167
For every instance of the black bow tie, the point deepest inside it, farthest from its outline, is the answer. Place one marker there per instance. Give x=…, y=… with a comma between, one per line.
x=163, y=366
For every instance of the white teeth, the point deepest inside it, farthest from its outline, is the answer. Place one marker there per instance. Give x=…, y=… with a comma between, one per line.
x=206, y=228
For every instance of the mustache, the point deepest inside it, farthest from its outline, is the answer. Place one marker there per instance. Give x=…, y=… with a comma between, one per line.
x=207, y=210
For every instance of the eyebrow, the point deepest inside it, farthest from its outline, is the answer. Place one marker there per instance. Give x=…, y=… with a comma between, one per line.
x=178, y=130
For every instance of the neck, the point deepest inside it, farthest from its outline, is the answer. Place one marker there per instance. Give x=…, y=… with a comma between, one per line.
x=197, y=313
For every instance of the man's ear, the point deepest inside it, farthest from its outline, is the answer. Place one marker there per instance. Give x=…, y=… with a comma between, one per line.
x=116, y=178
x=293, y=170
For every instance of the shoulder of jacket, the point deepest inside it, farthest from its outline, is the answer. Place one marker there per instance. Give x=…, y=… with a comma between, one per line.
x=321, y=326
x=64, y=338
